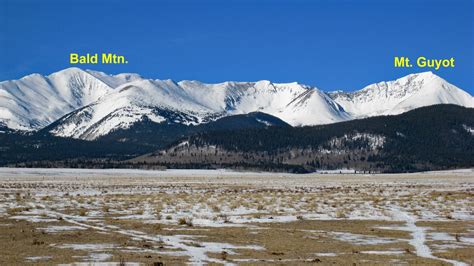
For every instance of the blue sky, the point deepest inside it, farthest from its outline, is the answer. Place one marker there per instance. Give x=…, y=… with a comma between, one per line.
x=329, y=44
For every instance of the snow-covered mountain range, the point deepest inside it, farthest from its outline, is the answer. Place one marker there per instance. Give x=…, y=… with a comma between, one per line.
x=88, y=104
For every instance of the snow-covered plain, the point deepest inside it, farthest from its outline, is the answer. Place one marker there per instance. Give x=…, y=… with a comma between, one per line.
x=224, y=217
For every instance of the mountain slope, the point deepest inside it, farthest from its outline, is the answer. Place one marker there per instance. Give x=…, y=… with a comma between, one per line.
x=41, y=148
x=114, y=81
x=91, y=104
x=428, y=138
x=313, y=108
x=404, y=94
x=128, y=104
x=35, y=101
x=192, y=103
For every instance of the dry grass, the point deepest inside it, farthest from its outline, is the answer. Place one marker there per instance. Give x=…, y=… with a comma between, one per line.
x=188, y=221
x=178, y=209
x=17, y=210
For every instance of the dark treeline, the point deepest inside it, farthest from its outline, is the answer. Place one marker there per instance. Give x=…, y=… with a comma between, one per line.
x=429, y=138
x=122, y=144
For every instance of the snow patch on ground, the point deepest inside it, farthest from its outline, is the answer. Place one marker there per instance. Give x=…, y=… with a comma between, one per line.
x=38, y=258
x=418, y=240
x=87, y=246
x=60, y=228
x=328, y=254
x=383, y=252
x=358, y=239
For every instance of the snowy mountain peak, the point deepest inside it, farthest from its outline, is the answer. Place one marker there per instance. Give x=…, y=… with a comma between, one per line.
x=35, y=101
x=68, y=71
x=401, y=95
x=93, y=103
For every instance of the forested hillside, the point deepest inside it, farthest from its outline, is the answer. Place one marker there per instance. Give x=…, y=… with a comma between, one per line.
x=429, y=138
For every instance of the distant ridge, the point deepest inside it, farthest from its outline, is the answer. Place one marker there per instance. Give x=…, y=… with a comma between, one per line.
x=86, y=104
